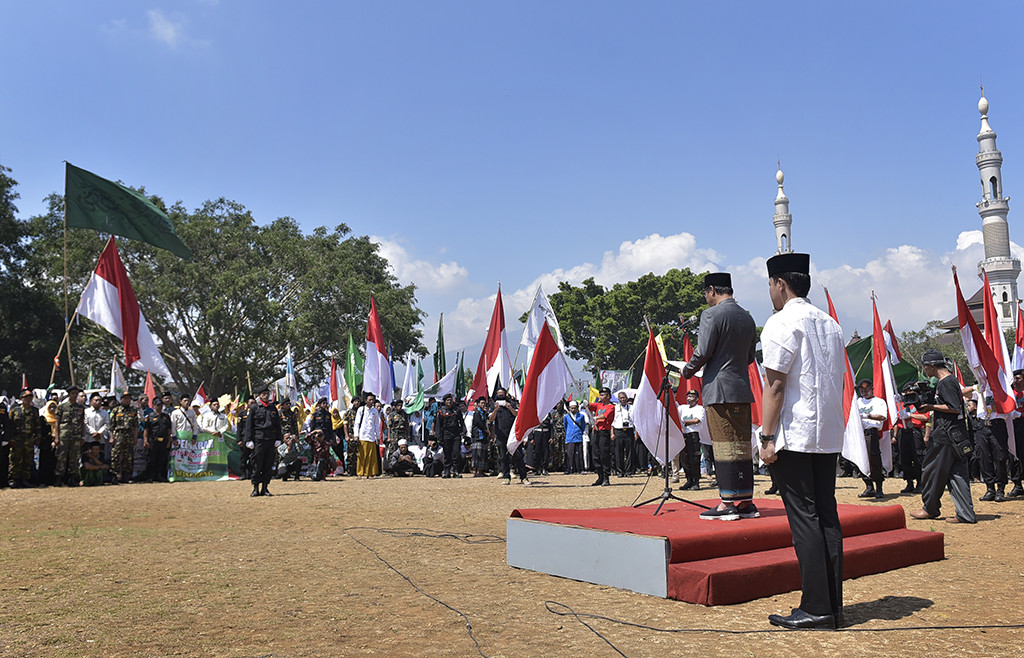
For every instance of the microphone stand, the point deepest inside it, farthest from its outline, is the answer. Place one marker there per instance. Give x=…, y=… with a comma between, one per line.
x=665, y=395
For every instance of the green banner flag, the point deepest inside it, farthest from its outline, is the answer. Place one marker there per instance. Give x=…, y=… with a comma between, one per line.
x=102, y=205
x=440, y=367
x=417, y=401
x=460, y=378
x=353, y=367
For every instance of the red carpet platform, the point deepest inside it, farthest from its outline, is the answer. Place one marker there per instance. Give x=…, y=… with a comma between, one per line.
x=677, y=555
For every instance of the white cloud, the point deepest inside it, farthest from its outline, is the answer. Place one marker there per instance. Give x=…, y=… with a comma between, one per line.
x=163, y=28
x=913, y=285
x=439, y=278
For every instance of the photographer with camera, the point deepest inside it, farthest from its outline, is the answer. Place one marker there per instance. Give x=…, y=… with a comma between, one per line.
x=909, y=439
x=945, y=462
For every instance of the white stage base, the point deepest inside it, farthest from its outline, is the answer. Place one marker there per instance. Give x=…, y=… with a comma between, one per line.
x=618, y=559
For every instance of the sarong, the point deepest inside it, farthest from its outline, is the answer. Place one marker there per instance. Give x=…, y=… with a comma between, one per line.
x=729, y=427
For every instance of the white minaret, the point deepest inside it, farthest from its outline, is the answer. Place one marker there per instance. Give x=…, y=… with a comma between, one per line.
x=783, y=220
x=1002, y=268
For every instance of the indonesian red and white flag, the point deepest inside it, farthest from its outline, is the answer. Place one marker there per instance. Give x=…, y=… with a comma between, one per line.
x=854, y=448
x=201, y=396
x=110, y=302
x=980, y=357
x=891, y=346
x=691, y=384
x=884, y=385
x=377, y=368
x=547, y=381
x=495, y=364
x=1018, y=342
x=995, y=339
x=334, y=390
x=649, y=408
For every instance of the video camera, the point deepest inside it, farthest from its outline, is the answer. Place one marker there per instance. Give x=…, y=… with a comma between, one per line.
x=918, y=393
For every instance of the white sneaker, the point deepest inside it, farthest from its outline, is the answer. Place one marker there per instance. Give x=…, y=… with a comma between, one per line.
x=525, y=481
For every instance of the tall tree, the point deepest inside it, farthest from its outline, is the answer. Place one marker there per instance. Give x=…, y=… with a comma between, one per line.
x=30, y=318
x=605, y=326
x=248, y=291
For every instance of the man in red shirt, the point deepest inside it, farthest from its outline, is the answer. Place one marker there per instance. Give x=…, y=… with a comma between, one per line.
x=603, y=412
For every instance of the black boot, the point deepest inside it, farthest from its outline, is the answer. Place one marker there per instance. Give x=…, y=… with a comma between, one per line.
x=255, y=491
x=909, y=488
x=265, y=491
x=878, y=490
x=869, y=492
x=1000, y=496
x=1017, y=491
x=990, y=494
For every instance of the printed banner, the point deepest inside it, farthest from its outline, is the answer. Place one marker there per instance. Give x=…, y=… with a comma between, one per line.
x=616, y=379
x=206, y=458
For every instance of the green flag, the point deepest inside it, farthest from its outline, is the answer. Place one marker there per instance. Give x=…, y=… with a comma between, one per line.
x=101, y=205
x=460, y=378
x=440, y=367
x=353, y=367
x=417, y=401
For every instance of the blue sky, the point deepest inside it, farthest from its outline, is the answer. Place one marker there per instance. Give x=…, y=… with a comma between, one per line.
x=532, y=142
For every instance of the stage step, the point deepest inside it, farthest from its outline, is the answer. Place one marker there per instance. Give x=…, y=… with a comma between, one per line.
x=740, y=578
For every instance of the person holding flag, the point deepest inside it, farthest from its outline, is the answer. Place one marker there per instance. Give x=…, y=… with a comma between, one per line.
x=802, y=435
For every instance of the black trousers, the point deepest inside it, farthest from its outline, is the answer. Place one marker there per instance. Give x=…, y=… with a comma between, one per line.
x=637, y=462
x=339, y=452
x=807, y=483
x=539, y=450
x=691, y=457
x=877, y=475
x=990, y=441
x=47, y=473
x=263, y=463
x=602, y=441
x=433, y=468
x=910, y=442
x=574, y=457
x=159, y=456
x=504, y=459
x=5, y=465
x=623, y=446
x=452, y=449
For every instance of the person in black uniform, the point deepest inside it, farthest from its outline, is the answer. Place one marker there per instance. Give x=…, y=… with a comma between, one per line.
x=263, y=429
x=244, y=451
x=449, y=429
x=503, y=418
x=156, y=436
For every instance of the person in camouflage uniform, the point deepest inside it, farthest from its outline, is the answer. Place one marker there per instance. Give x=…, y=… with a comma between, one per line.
x=351, y=440
x=398, y=426
x=557, y=461
x=24, y=429
x=124, y=429
x=69, y=430
x=289, y=425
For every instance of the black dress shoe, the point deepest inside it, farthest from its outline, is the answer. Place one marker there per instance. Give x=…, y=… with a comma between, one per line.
x=265, y=492
x=606, y=482
x=802, y=620
x=867, y=493
x=598, y=483
x=771, y=491
x=254, y=493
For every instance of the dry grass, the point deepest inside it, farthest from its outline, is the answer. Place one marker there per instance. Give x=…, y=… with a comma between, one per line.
x=202, y=569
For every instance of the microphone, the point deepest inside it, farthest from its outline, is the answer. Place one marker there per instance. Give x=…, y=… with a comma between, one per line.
x=689, y=321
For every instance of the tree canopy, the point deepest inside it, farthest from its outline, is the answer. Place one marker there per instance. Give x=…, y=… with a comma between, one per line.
x=249, y=291
x=29, y=315
x=605, y=326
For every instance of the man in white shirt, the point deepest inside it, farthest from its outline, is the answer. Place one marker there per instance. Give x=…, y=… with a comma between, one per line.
x=183, y=421
x=692, y=415
x=213, y=421
x=368, y=425
x=802, y=435
x=872, y=414
x=624, y=454
x=97, y=420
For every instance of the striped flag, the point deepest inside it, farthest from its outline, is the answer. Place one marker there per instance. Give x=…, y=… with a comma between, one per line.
x=377, y=369
x=649, y=408
x=984, y=363
x=546, y=384
x=854, y=448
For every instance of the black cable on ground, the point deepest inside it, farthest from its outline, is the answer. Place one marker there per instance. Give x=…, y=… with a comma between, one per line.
x=422, y=533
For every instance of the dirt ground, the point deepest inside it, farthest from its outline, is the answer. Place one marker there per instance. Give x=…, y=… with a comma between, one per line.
x=190, y=569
